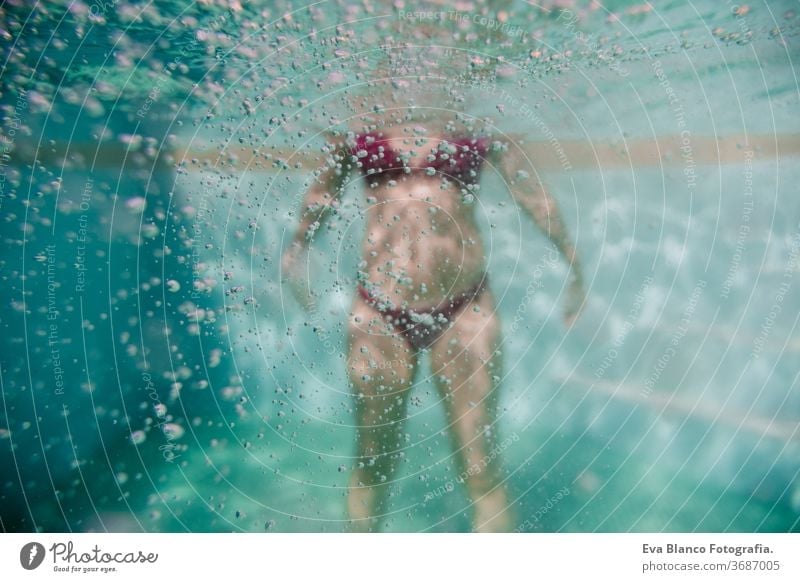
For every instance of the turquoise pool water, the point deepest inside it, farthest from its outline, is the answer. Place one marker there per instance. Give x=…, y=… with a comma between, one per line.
x=157, y=376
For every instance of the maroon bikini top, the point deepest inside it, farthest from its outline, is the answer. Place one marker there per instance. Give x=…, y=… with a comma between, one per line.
x=459, y=158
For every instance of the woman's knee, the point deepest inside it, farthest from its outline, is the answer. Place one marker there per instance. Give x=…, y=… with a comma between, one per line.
x=373, y=380
x=371, y=367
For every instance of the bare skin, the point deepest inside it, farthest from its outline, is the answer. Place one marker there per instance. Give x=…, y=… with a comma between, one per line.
x=422, y=245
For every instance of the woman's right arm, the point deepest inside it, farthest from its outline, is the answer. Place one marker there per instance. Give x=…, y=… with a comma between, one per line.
x=321, y=200
x=324, y=193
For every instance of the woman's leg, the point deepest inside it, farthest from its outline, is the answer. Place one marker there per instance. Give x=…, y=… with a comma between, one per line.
x=381, y=367
x=465, y=364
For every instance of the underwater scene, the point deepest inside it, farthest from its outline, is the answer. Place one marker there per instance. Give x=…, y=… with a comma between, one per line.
x=395, y=266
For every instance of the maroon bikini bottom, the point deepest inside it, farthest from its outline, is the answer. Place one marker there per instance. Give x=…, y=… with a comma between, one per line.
x=422, y=327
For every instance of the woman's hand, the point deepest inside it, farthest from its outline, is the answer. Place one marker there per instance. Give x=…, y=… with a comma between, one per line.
x=294, y=264
x=575, y=300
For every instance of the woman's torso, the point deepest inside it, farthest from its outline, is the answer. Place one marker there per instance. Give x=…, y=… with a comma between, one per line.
x=422, y=240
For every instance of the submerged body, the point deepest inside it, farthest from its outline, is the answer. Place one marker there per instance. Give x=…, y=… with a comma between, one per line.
x=423, y=286
x=424, y=259
x=422, y=242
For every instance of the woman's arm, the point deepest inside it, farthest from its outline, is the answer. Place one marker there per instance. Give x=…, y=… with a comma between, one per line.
x=543, y=210
x=321, y=200
x=324, y=193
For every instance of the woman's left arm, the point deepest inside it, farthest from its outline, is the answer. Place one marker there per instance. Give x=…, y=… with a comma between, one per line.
x=543, y=210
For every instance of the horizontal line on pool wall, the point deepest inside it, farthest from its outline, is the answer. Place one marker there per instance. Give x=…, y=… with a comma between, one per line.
x=567, y=154
x=670, y=403
x=665, y=150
